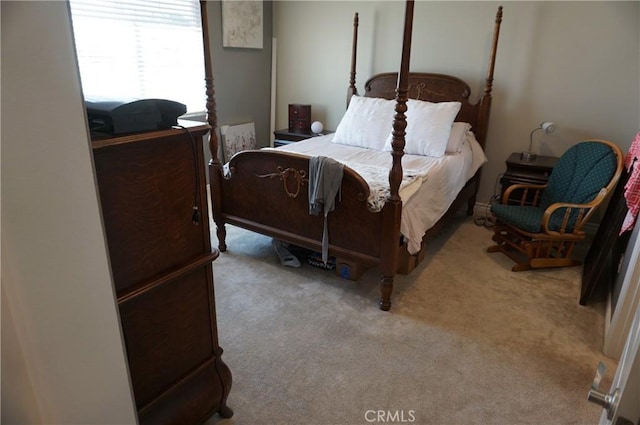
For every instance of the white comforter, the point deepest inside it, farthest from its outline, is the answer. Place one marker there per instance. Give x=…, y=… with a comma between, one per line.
x=429, y=187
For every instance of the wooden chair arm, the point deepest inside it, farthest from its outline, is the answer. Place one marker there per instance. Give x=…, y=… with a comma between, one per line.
x=585, y=211
x=538, y=188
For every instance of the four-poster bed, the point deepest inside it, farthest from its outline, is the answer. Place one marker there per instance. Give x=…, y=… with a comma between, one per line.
x=266, y=190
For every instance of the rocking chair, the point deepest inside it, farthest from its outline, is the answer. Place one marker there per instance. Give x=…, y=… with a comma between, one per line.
x=538, y=226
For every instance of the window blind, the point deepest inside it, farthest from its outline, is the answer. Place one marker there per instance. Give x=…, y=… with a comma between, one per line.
x=140, y=49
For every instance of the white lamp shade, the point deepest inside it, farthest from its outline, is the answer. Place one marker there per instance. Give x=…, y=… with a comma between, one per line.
x=317, y=127
x=548, y=127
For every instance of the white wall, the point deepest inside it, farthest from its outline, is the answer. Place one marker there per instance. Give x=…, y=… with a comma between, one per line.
x=574, y=63
x=63, y=360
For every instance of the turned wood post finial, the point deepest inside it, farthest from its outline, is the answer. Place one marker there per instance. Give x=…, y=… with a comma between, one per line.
x=485, y=103
x=400, y=119
x=352, y=90
x=212, y=119
x=494, y=49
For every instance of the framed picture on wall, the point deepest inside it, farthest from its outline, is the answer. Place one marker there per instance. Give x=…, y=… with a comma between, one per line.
x=242, y=24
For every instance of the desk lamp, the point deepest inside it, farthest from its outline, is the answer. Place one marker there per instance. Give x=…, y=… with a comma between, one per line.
x=547, y=128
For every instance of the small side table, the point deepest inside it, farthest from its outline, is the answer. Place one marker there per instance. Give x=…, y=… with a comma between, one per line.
x=527, y=172
x=284, y=137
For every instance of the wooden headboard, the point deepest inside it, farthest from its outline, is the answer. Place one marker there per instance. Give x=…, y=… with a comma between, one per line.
x=435, y=87
x=427, y=87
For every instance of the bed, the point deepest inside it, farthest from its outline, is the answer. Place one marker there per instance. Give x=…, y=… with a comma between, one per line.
x=266, y=190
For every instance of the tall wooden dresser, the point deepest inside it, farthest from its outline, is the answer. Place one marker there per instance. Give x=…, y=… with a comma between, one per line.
x=153, y=194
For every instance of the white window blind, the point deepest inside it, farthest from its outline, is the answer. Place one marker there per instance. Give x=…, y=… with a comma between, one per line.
x=140, y=49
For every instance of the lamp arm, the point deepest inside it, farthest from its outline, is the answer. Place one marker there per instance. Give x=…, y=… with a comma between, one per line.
x=531, y=137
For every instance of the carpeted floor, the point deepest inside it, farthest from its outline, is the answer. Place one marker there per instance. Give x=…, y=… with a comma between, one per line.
x=467, y=341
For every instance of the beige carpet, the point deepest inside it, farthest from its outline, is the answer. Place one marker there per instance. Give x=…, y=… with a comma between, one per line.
x=467, y=341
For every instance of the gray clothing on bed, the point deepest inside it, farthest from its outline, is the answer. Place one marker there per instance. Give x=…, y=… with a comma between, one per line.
x=325, y=180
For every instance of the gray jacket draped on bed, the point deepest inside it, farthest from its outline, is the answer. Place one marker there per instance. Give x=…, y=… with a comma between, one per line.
x=325, y=180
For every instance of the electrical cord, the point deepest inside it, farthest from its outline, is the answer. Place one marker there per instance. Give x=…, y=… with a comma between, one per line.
x=485, y=218
x=195, y=211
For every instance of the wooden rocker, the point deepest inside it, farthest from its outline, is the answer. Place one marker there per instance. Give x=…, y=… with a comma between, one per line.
x=538, y=226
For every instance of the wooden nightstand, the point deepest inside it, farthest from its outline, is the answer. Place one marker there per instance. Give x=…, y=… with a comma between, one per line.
x=527, y=172
x=284, y=137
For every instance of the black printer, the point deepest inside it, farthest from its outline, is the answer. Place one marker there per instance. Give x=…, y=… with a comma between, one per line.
x=132, y=116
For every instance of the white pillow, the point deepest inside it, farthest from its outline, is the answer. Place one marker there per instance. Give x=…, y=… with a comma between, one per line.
x=367, y=123
x=457, y=137
x=428, y=127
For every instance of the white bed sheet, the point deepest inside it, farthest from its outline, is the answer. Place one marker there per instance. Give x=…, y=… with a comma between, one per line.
x=425, y=198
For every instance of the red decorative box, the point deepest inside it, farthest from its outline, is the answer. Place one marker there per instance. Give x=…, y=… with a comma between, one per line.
x=299, y=118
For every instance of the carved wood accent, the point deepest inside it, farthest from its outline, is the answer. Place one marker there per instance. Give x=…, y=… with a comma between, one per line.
x=285, y=174
x=400, y=119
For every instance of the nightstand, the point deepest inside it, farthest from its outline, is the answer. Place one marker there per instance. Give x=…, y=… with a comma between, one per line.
x=284, y=137
x=527, y=172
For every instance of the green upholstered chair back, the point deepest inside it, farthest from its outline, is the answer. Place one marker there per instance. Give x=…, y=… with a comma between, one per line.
x=579, y=175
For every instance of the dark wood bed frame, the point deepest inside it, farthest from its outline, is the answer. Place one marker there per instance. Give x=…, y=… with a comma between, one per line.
x=267, y=189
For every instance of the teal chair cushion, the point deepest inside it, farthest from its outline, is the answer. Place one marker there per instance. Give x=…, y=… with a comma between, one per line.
x=578, y=176
x=524, y=217
x=580, y=173
x=529, y=218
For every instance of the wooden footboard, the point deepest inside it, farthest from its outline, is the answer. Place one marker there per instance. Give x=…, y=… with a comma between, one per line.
x=266, y=191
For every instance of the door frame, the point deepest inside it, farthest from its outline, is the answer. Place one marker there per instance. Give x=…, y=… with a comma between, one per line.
x=618, y=321
x=627, y=377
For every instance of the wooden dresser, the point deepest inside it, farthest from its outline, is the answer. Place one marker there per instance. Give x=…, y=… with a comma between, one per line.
x=150, y=186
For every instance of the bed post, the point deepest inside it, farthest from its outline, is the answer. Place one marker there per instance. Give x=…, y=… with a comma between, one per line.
x=485, y=103
x=393, y=206
x=400, y=119
x=215, y=167
x=485, y=106
x=354, y=48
